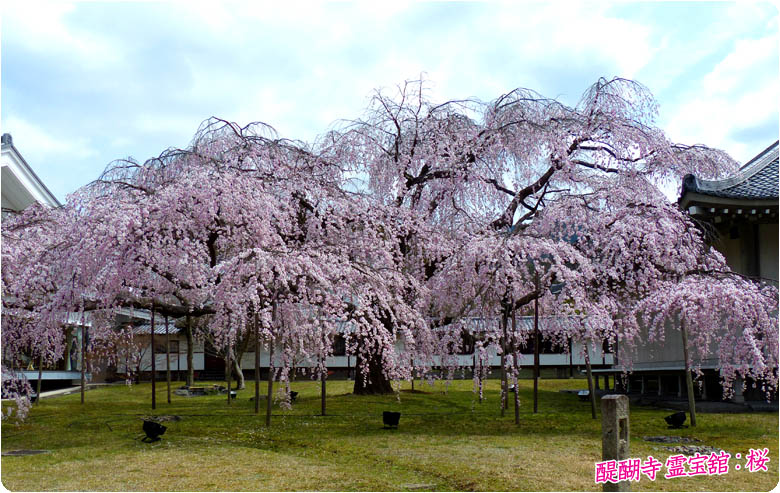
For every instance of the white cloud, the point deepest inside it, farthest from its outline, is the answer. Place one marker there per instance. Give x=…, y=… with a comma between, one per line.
x=44, y=148
x=138, y=77
x=40, y=28
x=740, y=92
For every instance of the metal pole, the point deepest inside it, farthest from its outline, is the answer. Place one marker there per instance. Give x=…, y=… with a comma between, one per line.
x=168, y=358
x=154, y=368
x=688, y=377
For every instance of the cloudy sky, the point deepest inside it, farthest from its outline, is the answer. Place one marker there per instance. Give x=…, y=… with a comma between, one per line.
x=86, y=83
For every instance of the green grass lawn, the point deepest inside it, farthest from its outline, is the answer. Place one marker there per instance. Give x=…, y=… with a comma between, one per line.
x=446, y=441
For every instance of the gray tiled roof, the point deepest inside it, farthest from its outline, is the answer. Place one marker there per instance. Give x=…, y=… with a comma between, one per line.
x=757, y=180
x=159, y=328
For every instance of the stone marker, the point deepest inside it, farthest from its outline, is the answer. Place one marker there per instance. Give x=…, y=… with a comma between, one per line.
x=614, y=434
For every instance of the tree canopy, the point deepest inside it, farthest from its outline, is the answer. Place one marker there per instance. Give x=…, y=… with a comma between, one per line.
x=400, y=226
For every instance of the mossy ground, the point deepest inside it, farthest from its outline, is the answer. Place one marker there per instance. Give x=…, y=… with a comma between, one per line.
x=446, y=441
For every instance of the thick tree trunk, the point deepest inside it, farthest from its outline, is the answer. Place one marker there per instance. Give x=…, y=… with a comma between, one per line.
x=371, y=380
x=239, y=374
x=190, y=370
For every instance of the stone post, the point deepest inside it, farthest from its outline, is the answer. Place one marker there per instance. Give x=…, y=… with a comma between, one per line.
x=615, y=434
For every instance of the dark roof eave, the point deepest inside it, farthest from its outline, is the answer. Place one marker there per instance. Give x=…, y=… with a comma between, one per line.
x=694, y=198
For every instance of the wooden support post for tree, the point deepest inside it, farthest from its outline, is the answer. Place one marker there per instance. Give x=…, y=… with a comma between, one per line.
x=40, y=377
x=228, y=371
x=154, y=368
x=478, y=373
x=178, y=360
x=688, y=376
x=270, y=382
x=257, y=365
x=323, y=377
x=504, y=344
x=167, y=359
x=590, y=381
x=536, y=347
x=517, y=368
x=190, y=370
x=571, y=359
x=411, y=361
x=83, y=359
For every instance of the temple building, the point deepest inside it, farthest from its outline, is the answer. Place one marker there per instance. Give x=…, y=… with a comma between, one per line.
x=739, y=216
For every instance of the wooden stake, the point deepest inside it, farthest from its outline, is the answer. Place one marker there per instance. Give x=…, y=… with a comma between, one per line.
x=257, y=366
x=168, y=359
x=688, y=376
x=590, y=381
x=270, y=382
x=504, y=389
x=323, y=376
x=536, y=348
x=228, y=371
x=83, y=359
x=154, y=368
x=40, y=377
x=517, y=368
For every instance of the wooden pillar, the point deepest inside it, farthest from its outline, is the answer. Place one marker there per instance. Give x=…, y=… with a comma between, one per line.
x=83, y=359
x=688, y=377
x=536, y=347
x=40, y=377
x=517, y=368
x=257, y=365
x=504, y=344
x=168, y=359
x=591, y=391
x=270, y=382
x=228, y=371
x=154, y=369
x=571, y=360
